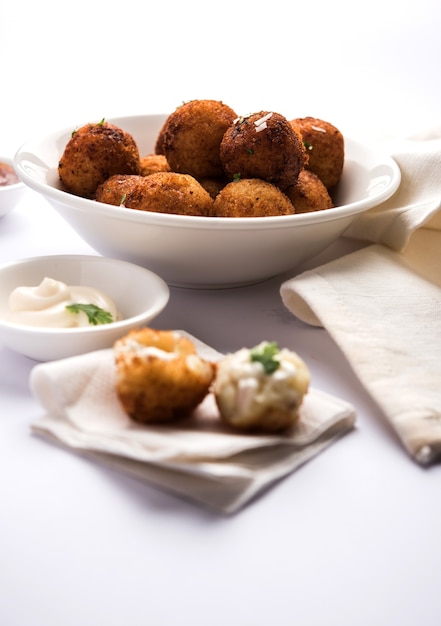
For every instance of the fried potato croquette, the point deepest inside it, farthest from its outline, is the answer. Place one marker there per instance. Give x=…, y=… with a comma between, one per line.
x=119, y=189
x=213, y=185
x=170, y=192
x=94, y=153
x=309, y=194
x=251, y=197
x=201, y=149
x=325, y=147
x=261, y=389
x=159, y=375
x=263, y=145
x=192, y=136
x=159, y=143
x=151, y=163
x=161, y=192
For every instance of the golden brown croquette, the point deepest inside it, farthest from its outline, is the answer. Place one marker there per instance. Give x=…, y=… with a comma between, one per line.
x=159, y=375
x=251, y=197
x=213, y=185
x=151, y=163
x=309, y=193
x=94, y=153
x=325, y=148
x=263, y=145
x=159, y=144
x=161, y=192
x=192, y=136
x=120, y=189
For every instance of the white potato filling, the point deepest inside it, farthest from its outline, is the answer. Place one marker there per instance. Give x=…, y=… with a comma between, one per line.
x=132, y=348
x=245, y=391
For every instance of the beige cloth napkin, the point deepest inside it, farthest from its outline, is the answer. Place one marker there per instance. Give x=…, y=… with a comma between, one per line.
x=198, y=458
x=382, y=304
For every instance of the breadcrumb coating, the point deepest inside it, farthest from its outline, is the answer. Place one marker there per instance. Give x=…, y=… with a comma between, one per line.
x=251, y=197
x=161, y=192
x=309, y=194
x=151, y=163
x=159, y=375
x=324, y=144
x=94, y=153
x=191, y=137
x=263, y=145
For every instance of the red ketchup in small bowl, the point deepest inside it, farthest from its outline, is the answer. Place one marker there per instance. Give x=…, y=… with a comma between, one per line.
x=7, y=175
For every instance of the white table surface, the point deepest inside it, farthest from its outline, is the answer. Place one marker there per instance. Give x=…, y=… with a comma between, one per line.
x=353, y=538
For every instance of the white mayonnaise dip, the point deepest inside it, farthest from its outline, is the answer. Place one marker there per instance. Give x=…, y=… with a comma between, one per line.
x=45, y=305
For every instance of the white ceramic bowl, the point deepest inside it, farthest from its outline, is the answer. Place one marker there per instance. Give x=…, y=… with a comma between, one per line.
x=138, y=293
x=206, y=252
x=10, y=195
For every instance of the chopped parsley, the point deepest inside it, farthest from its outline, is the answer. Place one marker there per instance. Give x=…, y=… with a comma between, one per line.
x=236, y=177
x=264, y=354
x=94, y=313
x=307, y=145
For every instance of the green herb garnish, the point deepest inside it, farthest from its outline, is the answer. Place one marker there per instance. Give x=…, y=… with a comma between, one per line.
x=265, y=353
x=236, y=177
x=307, y=145
x=94, y=313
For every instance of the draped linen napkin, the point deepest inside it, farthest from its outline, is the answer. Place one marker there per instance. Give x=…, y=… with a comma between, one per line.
x=382, y=304
x=197, y=458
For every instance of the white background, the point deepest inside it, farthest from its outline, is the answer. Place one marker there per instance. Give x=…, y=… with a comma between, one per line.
x=366, y=67
x=350, y=539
